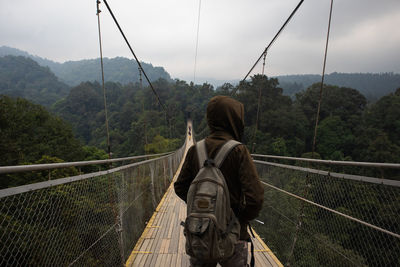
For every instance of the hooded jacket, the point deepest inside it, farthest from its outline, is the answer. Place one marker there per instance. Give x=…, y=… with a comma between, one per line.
x=225, y=117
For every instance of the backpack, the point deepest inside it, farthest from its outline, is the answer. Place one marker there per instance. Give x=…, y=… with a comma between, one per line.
x=211, y=228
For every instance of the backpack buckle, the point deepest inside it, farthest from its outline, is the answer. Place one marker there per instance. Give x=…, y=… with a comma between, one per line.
x=209, y=163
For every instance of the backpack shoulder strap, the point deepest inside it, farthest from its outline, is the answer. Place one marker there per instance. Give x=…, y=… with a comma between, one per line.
x=224, y=151
x=201, y=152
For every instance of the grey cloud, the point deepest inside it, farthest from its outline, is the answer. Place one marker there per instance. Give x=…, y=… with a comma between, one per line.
x=233, y=33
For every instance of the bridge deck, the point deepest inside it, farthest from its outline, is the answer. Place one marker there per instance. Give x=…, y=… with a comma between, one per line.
x=163, y=244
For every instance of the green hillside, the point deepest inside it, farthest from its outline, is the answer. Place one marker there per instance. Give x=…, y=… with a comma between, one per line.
x=23, y=77
x=119, y=69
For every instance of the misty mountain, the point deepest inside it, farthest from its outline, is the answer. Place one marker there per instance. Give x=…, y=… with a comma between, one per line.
x=372, y=85
x=124, y=70
x=119, y=69
x=9, y=51
x=23, y=77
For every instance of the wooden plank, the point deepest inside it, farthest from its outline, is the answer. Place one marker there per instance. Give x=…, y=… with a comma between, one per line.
x=171, y=224
x=162, y=260
x=174, y=259
x=182, y=239
x=160, y=232
x=164, y=246
x=143, y=247
x=158, y=260
x=173, y=247
x=269, y=255
x=156, y=246
x=154, y=259
x=148, y=260
x=158, y=241
x=163, y=230
x=161, y=250
x=261, y=253
x=168, y=260
x=142, y=257
x=178, y=259
x=185, y=261
x=258, y=252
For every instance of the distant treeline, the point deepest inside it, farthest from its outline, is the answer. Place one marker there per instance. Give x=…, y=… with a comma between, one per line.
x=372, y=85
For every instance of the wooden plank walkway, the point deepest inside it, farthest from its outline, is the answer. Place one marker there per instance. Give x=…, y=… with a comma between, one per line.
x=163, y=244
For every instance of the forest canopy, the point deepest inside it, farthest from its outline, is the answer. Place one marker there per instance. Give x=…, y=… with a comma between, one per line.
x=350, y=127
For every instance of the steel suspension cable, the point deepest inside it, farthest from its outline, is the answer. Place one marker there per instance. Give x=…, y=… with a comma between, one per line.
x=306, y=189
x=134, y=55
x=272, y=41
x=197, y=44
x=322, y=80
x=102, y=80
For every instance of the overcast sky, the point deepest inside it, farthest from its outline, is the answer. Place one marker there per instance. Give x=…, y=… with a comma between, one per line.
x=365, y=35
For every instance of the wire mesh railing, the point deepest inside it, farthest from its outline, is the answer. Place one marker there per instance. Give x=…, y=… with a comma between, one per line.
x=85, y=220
x=316, y=217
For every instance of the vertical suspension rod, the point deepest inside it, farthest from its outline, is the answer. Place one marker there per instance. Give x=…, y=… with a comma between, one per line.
x=307, y=186
x=322, y=81
x=197, y=44
x=258, y=106
x=118, y=219
x=102, y=80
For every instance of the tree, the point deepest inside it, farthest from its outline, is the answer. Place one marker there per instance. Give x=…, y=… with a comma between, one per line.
x=334, y=139
x=161, y=145
x=385, y=115
x=28, y=132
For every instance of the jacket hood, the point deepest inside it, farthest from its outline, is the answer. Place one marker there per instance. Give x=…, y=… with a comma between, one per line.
x=225, y=114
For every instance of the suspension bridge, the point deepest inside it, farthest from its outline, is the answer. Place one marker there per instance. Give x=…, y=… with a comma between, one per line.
x=316, y=212
x=129, y=215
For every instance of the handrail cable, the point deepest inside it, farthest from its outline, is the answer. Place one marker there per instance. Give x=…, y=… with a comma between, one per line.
x=270, y=44
x=48, y=166
x=334, y=211
x=306, y=188
x=102, y=80
x=197, y=44
x=40, y=185
x=358, y=178
x=334, y=162
x=134, y=55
